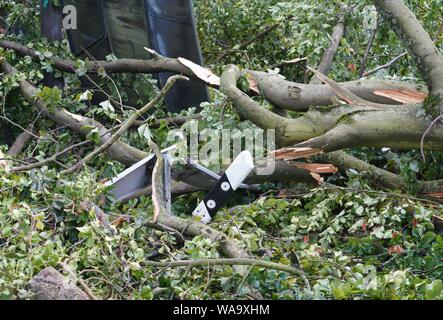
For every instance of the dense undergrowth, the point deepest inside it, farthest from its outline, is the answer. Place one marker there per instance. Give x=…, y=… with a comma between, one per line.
x=353, y=242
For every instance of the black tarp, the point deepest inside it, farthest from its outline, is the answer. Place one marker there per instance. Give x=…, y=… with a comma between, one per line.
x=172, y=33
x=125, y=27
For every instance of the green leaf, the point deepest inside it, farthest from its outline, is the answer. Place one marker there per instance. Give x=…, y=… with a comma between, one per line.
x=434, y=290
x=107, y=106
x=6, y=232
x=145, y=132
x=94, y=136
x=414, y=166
x=146, y=293
x=51, y=96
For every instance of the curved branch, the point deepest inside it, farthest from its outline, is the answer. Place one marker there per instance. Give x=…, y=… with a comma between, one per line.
x=383, y=177
x=398, y=127
x=384, y=66
x=417, y=39
x=247, y=107
x=193, y=228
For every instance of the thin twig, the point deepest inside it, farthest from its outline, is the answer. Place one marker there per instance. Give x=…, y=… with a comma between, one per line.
x=368, y=49
x=78, y=279
x=253, y=39
x=173, y=121
x=14, y=160
x=384, y=66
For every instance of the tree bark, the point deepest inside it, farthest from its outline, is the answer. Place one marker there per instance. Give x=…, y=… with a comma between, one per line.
x=155, y=65
x=328, y=56
x=299, y=97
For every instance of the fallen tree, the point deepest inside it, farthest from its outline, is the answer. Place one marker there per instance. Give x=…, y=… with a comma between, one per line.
x=367, y=118
x=328, y=118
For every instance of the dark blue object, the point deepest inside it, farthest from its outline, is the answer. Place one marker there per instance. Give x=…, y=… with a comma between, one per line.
x=167, y=26
x=172, y=33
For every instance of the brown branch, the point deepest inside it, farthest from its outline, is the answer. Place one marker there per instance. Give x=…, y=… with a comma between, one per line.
x=366, y=55
x=53, y=158
x=174, y=121
x=328, y=57
x=158, y=199
x=192, y=228
x=20, y=142
x=155, y=65
x=230, y=262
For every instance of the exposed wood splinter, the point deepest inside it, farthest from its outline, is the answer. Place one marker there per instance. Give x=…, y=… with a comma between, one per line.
x=287, y=154
x=316, y=167
x=200, y=72
x=317, y=177
x=436, y=195
x=403, y=96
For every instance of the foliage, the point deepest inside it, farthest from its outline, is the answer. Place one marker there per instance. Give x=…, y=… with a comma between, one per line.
x=352, y=242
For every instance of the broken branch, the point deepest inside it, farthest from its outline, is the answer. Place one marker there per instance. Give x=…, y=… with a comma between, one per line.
x=126, y=125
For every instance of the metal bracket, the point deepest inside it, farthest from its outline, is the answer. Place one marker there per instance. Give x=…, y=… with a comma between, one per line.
x=139, y=176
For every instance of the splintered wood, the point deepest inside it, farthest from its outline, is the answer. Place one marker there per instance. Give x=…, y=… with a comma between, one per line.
x=204, y=74
x=287, y=154
x=253, y=85
x=436, y=195
x=402, y=96
x=315, y=167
